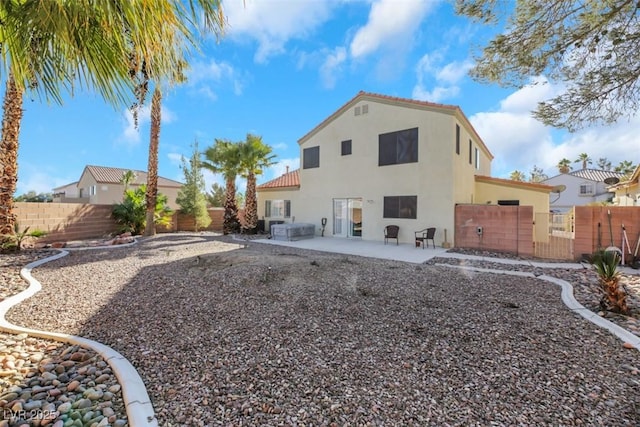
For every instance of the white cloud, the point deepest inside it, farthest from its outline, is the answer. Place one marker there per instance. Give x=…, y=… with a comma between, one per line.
x=130, y=134
x=332, y=65
x=519, y=142
x=391, y=25
x=273, y=24
x=204, y=76
x=446, y=77
x=34, y=178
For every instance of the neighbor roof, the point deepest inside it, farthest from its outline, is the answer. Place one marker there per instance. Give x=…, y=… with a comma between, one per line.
x=512, y=183
x=109, y=175
x=596, y=174
x=404, y=102
x=289, y=179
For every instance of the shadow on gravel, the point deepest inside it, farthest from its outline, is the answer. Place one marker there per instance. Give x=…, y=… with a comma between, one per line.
x=273, y=335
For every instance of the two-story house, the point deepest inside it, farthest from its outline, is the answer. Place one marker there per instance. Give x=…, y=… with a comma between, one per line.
x=381, y=160
x=100, y=185
x=579, y=188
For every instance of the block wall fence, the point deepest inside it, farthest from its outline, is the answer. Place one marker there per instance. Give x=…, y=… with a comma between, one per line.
x=511, y=228
x=504, y=228
x=76, y=221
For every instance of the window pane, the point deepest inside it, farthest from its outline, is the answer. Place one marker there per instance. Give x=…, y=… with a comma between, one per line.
x=391, y=207
x=287, y=208
x=470, y=152
x=346, y=147
x=408, y=207
x=407, y=146
x=387, y=149
x=311, y=157
x=457, y=139
x=267, y=208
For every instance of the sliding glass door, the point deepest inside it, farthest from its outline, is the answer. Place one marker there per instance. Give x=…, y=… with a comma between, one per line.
x=347, y=217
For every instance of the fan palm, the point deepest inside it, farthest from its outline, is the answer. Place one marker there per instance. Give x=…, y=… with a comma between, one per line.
x=517, y=175
x=255, y=156
x=585, y=159
x=223, y=157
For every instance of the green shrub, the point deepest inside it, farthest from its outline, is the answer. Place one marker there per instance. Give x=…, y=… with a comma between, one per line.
x=131, y=213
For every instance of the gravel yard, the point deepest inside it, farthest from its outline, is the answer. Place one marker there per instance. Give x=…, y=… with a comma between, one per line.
x=269, y=335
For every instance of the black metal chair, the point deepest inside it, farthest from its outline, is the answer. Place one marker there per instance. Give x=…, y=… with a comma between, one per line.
x=391, y=232
x=423, y=236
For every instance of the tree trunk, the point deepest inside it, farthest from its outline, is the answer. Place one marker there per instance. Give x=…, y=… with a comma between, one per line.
x=251, y=203
x=12, y=118
x=152, y=168
x=231, y=223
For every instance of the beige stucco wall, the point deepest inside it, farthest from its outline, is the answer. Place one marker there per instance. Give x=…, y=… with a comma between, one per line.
x=439, y=179
x=108, y=194
x=627, y=195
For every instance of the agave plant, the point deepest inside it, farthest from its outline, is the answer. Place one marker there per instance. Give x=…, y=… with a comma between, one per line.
x=606, y=265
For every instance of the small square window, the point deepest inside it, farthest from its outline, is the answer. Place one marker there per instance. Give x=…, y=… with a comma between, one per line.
x=311, y=157
x=356, y=111
x=365, y=108
x=346, y=147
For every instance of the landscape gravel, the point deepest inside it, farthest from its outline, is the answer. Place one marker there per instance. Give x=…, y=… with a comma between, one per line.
x=253, y=334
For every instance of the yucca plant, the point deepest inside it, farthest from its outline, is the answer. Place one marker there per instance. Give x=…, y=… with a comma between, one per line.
x=606, y=265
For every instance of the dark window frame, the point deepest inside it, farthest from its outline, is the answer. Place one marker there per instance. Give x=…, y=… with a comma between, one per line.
x=311, y=157
x=345, y=147
x=405, y=207
x=470, y=152
x=398, y=147
x=458, y=139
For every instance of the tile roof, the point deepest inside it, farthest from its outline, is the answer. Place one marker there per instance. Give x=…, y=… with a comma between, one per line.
x=596, y=174
x=397, y=101
x=530, y=185
x=109, y=175
x=289, y=179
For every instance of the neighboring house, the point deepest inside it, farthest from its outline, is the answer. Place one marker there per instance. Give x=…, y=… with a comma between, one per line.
x=65, y=192
x=580, y=188
x=381, y=160
x=627, y=191
x=99, y=185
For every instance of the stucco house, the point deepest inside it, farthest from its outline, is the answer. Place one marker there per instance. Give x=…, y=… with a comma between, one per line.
x=579, y=188
x=381, y=160
x=100, y=185
x=627, y=191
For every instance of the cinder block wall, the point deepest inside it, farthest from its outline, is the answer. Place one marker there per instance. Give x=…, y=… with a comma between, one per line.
x=66, y=221
x=587, y=219
x=181, y=222
x=504, y=228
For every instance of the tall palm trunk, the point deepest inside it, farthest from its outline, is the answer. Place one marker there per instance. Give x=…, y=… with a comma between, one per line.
x=251, y=203
x=152, y=168
x=231, y=223
x=12, y=117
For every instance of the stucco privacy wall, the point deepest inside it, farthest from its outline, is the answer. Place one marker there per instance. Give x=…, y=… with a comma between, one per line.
x=504, y=228
x=586, y=227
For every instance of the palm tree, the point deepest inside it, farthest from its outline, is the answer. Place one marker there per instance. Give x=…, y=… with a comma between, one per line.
x=52, y=45
x=585, y=159
x=626, y=167
x=255, y=155
x=564, y=165
x=47, y=47
x=604, y=164
x=516, y=175
x=224, y=157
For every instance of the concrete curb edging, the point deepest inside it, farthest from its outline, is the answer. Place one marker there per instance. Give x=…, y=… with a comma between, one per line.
x=567, y=298
x=140, y=412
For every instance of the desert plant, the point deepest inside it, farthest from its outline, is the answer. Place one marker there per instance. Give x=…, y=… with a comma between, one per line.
x=13, y=242
x=131, y=213
x=606, y=264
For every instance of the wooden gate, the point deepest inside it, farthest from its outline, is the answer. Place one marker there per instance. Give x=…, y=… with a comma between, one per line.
x=554, y=235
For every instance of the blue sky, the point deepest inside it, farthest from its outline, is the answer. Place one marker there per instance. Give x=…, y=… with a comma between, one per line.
x=284, y=66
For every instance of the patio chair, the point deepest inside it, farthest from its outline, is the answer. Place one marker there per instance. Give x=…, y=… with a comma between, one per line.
x=391, y=232
x=423, y=236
